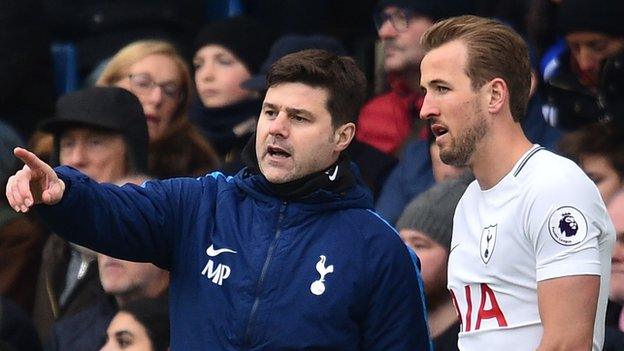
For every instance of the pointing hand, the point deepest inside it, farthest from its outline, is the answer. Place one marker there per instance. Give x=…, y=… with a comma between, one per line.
x=35, y=183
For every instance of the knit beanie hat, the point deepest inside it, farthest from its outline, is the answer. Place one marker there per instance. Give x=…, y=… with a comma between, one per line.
x=604, y=16
x=433, y=9
x=432, y=211
x=244, y=37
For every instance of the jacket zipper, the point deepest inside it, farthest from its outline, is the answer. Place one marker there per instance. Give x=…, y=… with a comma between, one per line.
x=263, y=273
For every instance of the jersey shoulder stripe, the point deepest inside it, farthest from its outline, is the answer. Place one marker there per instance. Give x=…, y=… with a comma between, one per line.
x=526, y=159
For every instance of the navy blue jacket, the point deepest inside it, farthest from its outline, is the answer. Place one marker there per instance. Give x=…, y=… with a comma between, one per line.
x=251, y=272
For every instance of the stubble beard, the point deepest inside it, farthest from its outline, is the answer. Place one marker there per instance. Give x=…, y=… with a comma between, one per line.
x=464, y=145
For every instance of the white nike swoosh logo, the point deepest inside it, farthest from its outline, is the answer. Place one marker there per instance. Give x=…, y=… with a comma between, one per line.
x=210, y=251
x=332, y=177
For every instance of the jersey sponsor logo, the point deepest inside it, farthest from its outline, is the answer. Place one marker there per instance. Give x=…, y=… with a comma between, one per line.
x=318, y=286
x=217, y=274
x=488, y=240
x=489, y=308
x=567, y=226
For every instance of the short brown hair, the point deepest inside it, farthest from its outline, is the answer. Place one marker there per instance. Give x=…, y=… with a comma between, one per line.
x=597, y=139
x=494, y=51
x=340, y=75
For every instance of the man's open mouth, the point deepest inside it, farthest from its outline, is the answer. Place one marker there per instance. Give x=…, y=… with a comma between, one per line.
x=277, y=151
x=438, y=130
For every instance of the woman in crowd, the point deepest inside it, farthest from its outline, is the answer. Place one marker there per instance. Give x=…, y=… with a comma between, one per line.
x=227, y=53
x=140, y=325
x=154, y=71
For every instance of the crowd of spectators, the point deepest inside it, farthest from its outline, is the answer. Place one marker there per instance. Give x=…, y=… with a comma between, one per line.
x=170, y=89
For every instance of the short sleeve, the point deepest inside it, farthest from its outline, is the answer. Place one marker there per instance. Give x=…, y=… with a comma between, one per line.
x=564, y=220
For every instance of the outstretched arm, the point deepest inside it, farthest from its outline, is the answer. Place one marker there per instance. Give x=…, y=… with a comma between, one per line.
x=35, y=183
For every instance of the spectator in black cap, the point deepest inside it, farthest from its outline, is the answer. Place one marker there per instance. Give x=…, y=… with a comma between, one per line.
x=426, y=226
x=101, y=132
x=387, y=120
x=576, y=78
x=227, y=53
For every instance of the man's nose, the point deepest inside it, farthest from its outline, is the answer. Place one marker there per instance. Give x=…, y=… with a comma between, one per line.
x=428, y=108
x=587, y=60
x=76, y=157
x=280, y=125
x=387, y=30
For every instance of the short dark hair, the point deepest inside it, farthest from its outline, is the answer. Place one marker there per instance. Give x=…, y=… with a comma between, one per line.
x=494, y=51
x=600, y=139
x=153, y=315
x=339, y=75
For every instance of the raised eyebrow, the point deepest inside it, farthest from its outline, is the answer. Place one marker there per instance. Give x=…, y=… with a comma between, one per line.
x=298, y=111
x=269, y=105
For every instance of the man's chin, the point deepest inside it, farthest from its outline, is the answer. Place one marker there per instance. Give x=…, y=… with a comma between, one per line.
x=275, y=176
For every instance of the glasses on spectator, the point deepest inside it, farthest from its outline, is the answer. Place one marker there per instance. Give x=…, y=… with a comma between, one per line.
x=143, y=84
x=399, y=19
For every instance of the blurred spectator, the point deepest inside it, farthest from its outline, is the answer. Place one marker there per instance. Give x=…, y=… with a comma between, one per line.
x=159, y=77
x=387, y=120
x=599, y=150
x=124, y=282
x=614, y=333
x=27, y=90
x=17, y=332
x=227, y=53
x=101, y=132
x=426, y=226
x=141, y=325
x=374, y=164
x=419, y=168
x=575, y=79
x=22, y=236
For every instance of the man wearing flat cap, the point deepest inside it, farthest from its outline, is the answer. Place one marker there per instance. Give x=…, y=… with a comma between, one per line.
x=101, y=132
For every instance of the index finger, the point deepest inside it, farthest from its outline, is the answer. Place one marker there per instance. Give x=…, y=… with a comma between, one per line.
x=30, y=159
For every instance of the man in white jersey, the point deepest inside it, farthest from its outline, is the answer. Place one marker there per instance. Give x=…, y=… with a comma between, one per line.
x=530, y=255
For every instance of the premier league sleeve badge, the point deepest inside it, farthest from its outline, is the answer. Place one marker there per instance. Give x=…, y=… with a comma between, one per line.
x=567, y=226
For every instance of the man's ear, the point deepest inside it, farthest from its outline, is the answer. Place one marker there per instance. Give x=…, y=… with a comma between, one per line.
x=343, y=136
x=499, y=95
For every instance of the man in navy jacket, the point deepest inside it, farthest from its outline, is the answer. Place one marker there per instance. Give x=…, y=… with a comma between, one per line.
x=286, y=255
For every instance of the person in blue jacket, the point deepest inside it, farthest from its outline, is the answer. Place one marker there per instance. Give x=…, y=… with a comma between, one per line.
x=286, y=255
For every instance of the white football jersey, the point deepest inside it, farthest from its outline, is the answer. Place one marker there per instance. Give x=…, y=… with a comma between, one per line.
x=545, y=219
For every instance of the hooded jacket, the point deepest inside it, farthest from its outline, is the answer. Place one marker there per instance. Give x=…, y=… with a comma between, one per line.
x=252, y=272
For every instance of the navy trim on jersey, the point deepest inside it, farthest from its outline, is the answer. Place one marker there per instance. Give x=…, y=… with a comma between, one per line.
x=526, y=159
